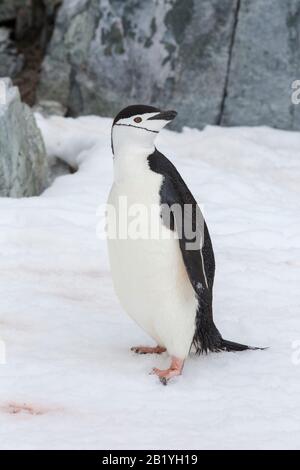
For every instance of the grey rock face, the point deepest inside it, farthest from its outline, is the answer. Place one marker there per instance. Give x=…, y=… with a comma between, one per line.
x=23, y=164
x=106, y=54
x=8, y=9
x=25, y=13
x=14, y=13
x=265, y=61
x=10, y=61
x=227, y=62
x=23, y=22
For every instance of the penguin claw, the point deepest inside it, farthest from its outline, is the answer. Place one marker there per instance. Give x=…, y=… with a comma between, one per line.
x=174, y=370
x=165, y=375
x=163, y=380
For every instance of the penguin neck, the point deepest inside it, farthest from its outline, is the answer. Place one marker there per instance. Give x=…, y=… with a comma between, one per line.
x=131, y=161
x=131, y=147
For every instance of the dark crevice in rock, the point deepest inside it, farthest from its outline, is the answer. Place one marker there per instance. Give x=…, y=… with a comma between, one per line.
x=58, y=168
x=31, y=43
x=10, y=24
x=27, y=78
x=231, y=46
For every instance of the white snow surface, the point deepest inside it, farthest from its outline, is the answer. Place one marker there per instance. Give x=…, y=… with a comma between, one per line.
x=70, y=380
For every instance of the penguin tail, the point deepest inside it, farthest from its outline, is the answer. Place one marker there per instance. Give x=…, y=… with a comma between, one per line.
x=232, y=346
x=215, y=343
x=207, y=337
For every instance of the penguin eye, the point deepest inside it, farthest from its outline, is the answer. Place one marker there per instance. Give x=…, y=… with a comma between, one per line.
x=138, y=119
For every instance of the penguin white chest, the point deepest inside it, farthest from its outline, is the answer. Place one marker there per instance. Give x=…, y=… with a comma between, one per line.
x=148, y=271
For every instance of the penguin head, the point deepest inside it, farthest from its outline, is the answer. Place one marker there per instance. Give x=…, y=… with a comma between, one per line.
x=137, y=126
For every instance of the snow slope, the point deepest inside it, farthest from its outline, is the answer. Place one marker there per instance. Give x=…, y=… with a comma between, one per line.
x=70, y=380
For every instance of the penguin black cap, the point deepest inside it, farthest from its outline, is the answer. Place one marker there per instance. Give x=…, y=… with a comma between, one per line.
x=135, y=109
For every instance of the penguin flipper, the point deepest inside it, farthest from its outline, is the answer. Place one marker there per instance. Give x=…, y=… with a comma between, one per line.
x=186, y=218
x=195, y=244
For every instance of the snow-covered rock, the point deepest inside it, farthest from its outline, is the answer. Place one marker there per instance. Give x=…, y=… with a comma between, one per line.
x=23, y=163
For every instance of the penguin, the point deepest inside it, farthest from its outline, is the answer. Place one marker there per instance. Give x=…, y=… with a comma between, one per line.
x=165, y=282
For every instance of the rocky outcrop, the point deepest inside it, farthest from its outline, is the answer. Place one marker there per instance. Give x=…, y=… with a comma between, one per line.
x=23, y=164
x=227, y=62
x=10, y=61
x=23, y=15
x=25, y=28
x=265, y=60
x=9, y=8
x=105, y=54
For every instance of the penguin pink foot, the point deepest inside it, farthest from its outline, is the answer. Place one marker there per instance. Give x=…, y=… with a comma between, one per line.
x=174, y=370
x=148, y=350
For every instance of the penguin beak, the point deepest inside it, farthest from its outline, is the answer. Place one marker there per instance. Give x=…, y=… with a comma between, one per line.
x=164, y=116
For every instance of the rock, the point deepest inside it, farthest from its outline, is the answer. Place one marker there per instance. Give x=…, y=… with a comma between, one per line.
x=23, y=163
x=50, y=108
x=106, y=54
x=26, y=13
x=57, y=168
x=11, y=62
x=24, y=24
x=265, y=61
x=9, y=8
x=18, y=13
x=227, y=62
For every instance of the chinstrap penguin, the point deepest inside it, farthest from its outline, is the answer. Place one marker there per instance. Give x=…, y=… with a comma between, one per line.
x=162, y=283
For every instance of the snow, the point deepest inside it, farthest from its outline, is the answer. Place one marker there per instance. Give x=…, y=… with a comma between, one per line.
x=70, y=380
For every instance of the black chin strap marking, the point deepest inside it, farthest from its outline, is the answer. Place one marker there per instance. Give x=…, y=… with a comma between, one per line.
x=137, y=127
